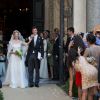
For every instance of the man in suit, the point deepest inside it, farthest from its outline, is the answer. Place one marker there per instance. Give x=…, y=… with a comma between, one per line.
x=56, y=57
x=73, y=43
x=34, y=55
x=70, y=32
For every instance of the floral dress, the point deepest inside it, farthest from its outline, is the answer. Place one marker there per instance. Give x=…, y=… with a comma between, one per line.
x=88, y=72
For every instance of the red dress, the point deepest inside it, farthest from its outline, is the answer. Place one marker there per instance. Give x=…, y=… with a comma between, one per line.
x=78, y=79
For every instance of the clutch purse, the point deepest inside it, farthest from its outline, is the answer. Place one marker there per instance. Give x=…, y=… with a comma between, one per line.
x=92, y=61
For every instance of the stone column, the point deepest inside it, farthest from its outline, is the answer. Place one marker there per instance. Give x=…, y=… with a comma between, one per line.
x=51, y=15
x=46, y=23
x=93, y=13
x=56, y=13
x=79, y=15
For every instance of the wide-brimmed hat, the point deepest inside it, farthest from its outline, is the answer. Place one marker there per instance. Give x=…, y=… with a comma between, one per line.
x=96, y=29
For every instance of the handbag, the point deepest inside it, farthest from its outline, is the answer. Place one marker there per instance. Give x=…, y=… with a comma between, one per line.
x=91, y=60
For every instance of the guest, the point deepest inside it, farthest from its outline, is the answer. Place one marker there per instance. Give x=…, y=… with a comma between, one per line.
x=70, y=32
x=56, y=57
x=97, y=38
x=88, y=72
x=74, y=41
x=93, y=51
x=48, y=33
x=2, y=63
x=50, y=55
x=41, y=35
x=56, y=31
x=43, y=63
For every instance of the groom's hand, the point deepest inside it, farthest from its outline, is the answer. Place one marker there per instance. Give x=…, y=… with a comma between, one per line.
x=26, y=40
x=30, y=39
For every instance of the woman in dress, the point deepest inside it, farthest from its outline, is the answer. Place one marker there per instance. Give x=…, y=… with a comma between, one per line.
x=73, y=45
x=50, y=55
x=16, y=73
x=93, y=51
x=89, y=74
x=43, y=64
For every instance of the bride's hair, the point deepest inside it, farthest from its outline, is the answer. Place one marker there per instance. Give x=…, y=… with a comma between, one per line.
x=16, y=31
x=20, y=37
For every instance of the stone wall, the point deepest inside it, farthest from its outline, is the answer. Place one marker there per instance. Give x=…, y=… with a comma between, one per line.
x=52, y=14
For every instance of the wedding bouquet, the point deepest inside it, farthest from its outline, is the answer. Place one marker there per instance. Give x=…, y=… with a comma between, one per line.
x=19, y=53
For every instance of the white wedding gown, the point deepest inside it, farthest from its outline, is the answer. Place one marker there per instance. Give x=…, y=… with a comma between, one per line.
x=43, y=64
x=16, y=76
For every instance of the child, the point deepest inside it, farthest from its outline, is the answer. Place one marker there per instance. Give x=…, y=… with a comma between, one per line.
x=2, y=63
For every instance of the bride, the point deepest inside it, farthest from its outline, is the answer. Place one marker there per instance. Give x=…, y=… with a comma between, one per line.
x=16, y=73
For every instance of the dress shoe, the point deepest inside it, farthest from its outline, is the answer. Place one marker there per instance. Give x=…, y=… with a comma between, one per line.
x=36, y=85
x=31, y=85
x=55, y=79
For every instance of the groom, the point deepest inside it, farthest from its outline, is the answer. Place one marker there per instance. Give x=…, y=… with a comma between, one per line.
x=34, y=55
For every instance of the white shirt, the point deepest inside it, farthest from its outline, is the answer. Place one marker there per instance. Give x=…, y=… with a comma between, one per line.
x=35, y=39
x=56, y=38
x=72, y=37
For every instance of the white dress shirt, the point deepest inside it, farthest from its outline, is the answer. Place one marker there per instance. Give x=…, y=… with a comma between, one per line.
x=35, y=39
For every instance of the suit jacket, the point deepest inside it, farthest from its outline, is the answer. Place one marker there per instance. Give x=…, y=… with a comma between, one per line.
x=56, y=47
x=35, y=49
x=67, y=44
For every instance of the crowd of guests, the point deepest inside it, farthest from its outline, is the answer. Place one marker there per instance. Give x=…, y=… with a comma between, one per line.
x=81, y=57
x=83, y=61
x=49, y=66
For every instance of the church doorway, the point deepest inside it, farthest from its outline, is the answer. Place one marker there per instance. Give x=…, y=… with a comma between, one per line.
x=20, y=15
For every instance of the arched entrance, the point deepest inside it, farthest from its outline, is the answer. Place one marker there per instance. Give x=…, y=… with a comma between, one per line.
x=38, y=14
x=20, y=15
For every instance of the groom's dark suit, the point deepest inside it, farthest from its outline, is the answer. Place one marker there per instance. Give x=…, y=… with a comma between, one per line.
x=32, y=60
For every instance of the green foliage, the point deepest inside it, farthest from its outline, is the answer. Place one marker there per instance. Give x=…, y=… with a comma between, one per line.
x=1, y=95
x=75, y=91
x=65, y=87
